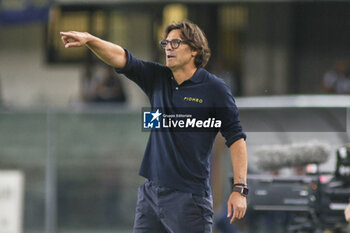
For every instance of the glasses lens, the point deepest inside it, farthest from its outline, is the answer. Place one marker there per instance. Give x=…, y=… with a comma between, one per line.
x=175, y=43
x=163, y=43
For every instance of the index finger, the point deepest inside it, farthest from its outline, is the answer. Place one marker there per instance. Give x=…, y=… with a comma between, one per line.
x=69, y=34
x=233, y=219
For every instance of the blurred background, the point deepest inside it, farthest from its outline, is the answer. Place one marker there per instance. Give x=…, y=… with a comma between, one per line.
x=70, y=127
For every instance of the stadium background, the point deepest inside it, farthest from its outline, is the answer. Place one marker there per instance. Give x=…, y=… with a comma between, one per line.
x=80, y=160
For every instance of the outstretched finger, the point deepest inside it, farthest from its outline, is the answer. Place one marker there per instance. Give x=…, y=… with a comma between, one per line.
x=66, y=33
x=69, y=35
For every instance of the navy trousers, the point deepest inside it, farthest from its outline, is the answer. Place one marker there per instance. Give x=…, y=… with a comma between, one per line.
x=161, y=209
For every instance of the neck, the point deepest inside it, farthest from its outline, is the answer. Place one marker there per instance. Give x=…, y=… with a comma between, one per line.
x=183, y=74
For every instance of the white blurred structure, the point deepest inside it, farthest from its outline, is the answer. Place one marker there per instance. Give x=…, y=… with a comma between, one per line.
x=11, y=201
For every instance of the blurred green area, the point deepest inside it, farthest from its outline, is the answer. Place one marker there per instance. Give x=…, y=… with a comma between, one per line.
x=97, y=158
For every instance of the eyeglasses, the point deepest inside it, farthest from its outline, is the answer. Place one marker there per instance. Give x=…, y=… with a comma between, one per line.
x=175, y=43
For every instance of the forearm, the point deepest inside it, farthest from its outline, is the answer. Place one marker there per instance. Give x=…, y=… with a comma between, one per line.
x=237, y=203
x=238, y=151
x=110, y=53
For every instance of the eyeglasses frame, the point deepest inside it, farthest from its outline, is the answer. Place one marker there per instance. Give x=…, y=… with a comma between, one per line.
x=179, y=41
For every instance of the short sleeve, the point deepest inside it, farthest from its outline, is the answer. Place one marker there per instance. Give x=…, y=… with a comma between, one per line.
x=143, y=73
x=227, y=112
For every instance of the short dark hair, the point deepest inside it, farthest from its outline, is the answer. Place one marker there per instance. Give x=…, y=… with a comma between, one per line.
x=195, y=38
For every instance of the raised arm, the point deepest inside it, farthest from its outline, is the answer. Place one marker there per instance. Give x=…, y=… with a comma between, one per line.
x=110, y=53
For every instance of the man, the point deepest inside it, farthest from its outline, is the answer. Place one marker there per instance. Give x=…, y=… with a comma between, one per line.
x=176, y=197
x=347, y=213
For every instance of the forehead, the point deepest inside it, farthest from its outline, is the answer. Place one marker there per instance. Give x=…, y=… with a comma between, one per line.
x=174, y=34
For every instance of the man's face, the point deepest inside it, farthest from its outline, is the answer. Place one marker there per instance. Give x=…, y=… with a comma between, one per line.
x=181, y=56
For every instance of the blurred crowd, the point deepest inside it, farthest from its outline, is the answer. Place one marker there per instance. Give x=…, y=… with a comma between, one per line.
x=337, y=80
x=101, y=84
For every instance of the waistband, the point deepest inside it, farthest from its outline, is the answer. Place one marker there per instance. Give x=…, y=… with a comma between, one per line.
x=155, y=184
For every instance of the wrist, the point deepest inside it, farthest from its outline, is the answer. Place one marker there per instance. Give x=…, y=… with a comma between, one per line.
x=241, y=189
x=240, y=185
x=89, y=39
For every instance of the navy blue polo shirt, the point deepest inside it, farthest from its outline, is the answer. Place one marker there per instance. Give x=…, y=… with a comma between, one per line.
x=181, y=159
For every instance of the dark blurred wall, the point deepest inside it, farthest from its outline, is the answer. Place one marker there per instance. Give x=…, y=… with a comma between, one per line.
x=267, y=49
x=321, y=36
x=288, y=47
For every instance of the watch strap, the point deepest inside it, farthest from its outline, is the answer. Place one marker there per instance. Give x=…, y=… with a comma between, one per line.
x=242, y=190
x=240, y=184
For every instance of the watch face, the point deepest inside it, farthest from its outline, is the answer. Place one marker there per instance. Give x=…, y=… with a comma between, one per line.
x=245, y=191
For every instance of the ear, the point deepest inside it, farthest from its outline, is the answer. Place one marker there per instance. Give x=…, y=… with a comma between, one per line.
x=194, y=53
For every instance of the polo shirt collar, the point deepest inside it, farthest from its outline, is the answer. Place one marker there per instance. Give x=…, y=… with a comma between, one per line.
x=196, y=78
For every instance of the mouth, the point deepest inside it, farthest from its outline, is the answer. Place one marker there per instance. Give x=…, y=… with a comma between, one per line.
x=170, y=56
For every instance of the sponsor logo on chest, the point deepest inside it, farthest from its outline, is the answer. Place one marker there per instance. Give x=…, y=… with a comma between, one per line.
x=193, y=99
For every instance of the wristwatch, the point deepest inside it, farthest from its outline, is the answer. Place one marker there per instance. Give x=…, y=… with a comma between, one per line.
x=243, y=190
